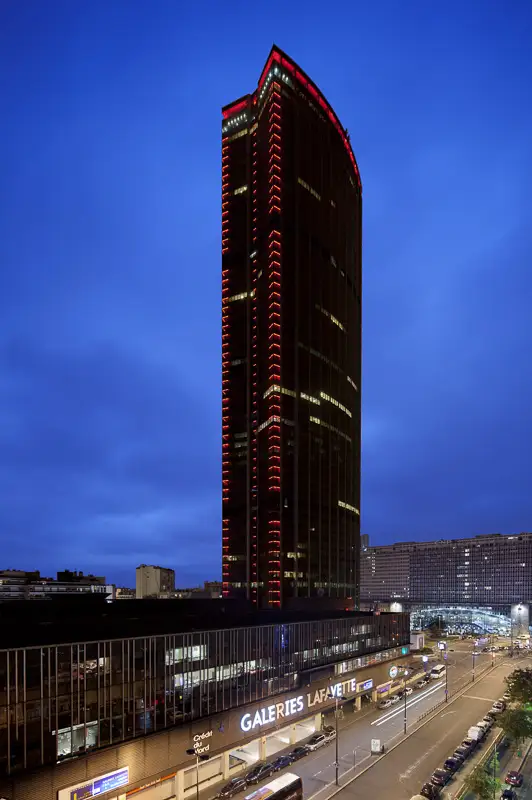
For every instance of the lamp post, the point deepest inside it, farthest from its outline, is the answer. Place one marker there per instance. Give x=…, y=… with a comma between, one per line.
x=473, y=654
x=193, y=752
x=337, y=700
x=405, y=675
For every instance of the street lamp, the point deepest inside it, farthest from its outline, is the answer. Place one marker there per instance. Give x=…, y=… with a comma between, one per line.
x=336, y=699
x=193, y=752
x=473, y=655
x=405, y=675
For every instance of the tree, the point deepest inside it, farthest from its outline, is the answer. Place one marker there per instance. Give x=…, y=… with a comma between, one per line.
x=516, y=724
x=482, y=785
x=520, y=685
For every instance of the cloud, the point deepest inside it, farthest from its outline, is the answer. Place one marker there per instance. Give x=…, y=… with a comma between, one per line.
x=103, y=458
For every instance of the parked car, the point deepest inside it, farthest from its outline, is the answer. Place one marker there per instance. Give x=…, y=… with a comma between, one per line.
x=441, y=777
x=259, y=772
x=469, y=743
x=506, y=697
x=430, y=791
x=460, y=757
x=498, y=707
x=452, y=764
x=514, y=778
x=234, y=786
x=489, y=720
x=462, y=752
x=299, y=752
x=394, y=699
x=329, y=732
x=316, y=741
x=385, y=703
x=408, y=690
x=508, y=794
x=420, y=684
x=282, y=762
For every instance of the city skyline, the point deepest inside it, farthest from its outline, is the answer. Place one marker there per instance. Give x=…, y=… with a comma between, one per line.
x=110, y=288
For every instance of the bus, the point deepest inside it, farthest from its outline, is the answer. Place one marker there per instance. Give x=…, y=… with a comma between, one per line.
x=437, y=672
x=285, y=787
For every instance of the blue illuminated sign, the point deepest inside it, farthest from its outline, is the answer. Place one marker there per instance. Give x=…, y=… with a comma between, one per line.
x=404, y=650
x=105, y=783
x=363, y=687
x=110, y=782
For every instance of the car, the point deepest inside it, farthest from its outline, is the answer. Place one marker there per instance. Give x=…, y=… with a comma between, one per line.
x=459, y=756
x=452, y=764
x=430, y=791
x=498, y=707
x=470, y=744
x=234, y=786
x=408, y=690
x=508, y=794
x=488, y=720
x=461, y=752
x=394, y=699
x=484, y=725
x=441, y=777
x=299, y=752
x=506, y=696
x=419, y=684
x=514, y=778
x=329, y=733
x=282, y=762
x=259, y=772
x=385, y=703
x=316, y=741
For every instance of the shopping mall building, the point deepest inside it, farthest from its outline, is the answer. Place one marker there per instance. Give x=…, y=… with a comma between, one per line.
x=106, y=699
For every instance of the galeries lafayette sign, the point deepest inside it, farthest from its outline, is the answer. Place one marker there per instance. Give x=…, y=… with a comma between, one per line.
x=268, y=715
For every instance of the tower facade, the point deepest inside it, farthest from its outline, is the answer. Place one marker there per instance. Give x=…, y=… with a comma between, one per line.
x=291, y=344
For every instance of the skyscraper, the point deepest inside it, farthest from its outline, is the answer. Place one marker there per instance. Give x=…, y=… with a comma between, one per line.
x=291, y=344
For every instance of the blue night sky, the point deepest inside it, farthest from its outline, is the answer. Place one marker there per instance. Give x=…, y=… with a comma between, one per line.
x=110, y=266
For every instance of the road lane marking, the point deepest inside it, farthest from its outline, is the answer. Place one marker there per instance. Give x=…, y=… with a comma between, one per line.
x=474, y=697
x=447, y=712
x=409, y=703
x=420, y=760
x=401, y=710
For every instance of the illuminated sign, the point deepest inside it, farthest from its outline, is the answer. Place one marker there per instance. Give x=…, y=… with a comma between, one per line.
x=393, y=672
x=200, y=743
x=404, y=650
x=363, y=687
x=96, y=786
x=442, y=645
x=295, y=705
x=268, y=714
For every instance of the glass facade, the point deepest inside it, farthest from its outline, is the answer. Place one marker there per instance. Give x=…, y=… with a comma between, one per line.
x=58, y=701
x=291, y=344
x=484, y=570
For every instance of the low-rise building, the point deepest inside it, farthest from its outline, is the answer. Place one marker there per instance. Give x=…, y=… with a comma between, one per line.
x=153, y=581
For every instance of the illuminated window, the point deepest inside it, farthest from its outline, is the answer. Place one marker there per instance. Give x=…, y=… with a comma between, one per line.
x=279, y=390
x=241, y=190
x=335, y=403
x=331, y=317
x=238, y=361
x=351, y=381
x=310, y=399
x=237, y=135
x=240, y=296
x=267, y=422
x=348, y=507
x=309, y=188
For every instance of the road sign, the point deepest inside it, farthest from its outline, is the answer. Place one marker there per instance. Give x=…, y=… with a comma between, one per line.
x=375, y=745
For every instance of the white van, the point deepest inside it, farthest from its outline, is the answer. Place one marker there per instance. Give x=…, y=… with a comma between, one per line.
x=437, y=672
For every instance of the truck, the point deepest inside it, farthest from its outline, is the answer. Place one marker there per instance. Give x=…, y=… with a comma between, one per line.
x=475, y=733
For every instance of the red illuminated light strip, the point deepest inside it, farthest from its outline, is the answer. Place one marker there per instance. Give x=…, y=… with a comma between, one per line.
x=274, y=342
x=225, y=371
x=234, y=109
x=254, y=376
x=316, y=94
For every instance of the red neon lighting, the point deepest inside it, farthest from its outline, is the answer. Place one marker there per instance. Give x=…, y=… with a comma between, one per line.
x=234, y=109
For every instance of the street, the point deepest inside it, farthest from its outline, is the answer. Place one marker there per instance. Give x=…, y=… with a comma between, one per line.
x=410, y=764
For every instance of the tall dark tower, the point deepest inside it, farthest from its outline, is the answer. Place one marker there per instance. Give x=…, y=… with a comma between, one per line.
x=291, y=344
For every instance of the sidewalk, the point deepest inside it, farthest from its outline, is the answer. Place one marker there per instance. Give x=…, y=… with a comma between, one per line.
x=508, y=760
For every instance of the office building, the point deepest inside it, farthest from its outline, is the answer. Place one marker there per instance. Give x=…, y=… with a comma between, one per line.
x=291, y=345
x=102, y=698
x=154, y=581
x=17, y=584
x=492, y=570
